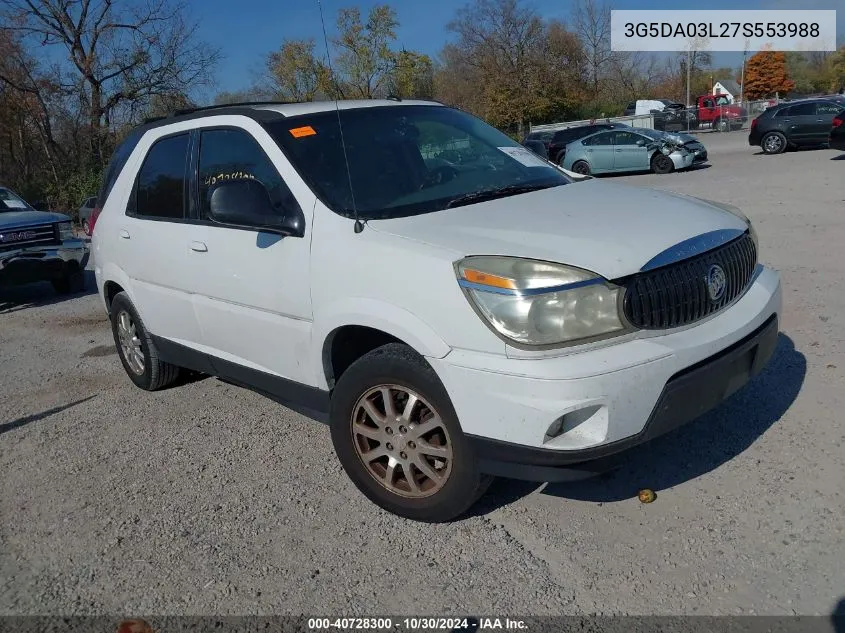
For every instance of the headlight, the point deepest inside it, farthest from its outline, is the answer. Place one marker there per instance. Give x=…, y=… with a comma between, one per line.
x=65, y=231
x=536, y=303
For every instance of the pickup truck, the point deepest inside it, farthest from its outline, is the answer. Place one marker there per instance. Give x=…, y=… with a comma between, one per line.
x=714, y=111
x=719, y=113
x=39, y=246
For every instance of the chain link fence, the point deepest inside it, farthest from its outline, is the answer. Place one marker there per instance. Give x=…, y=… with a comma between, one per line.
x=719, y=118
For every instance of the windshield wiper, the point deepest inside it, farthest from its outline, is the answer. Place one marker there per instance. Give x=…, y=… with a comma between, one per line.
x=492, y=194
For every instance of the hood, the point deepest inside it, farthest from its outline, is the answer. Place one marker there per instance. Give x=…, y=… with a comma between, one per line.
x=14, y=219
x=609, y=229
x=680, y=137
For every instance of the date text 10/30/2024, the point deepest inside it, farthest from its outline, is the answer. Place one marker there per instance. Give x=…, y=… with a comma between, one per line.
x=417, y=624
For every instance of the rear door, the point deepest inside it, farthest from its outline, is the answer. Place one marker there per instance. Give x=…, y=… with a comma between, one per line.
x=825, y=111
x=627, y=154
x=151, y=241
x=599, y=151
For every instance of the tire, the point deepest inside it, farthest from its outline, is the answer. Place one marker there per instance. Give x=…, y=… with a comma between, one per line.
x=70, y=283
x=360, y=422
x=581, y=167
x=560, y=158
x=773, y=143
x=152, y=373
x=662, y=164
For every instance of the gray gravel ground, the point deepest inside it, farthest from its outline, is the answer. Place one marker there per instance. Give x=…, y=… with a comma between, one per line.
x=207, y=498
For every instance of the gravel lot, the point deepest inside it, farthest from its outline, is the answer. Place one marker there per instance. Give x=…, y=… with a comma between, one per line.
x=207, y=498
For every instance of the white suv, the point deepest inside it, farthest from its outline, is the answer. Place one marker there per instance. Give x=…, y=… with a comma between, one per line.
x=455, y=306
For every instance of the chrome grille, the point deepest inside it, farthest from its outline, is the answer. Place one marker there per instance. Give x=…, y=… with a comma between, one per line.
x=677, y=294
x=27, y=236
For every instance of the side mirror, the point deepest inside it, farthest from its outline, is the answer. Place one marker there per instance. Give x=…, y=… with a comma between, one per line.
x=247, y=203
x=641, y=143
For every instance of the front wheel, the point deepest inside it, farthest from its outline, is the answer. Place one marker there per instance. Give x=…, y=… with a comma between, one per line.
x=662, y=164
x=397, y=435
x=581, y=167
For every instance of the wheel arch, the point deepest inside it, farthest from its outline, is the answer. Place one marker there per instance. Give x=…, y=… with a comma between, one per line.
x=354, y=327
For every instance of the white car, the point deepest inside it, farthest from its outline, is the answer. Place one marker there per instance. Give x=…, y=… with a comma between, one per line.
x=455, y=306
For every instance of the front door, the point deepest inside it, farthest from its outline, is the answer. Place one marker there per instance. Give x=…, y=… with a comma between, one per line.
x=630, y=153
x=800, y=122
x=252, y=288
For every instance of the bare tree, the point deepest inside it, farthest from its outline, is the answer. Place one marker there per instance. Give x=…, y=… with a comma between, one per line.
x=591, y=21
x=119, y=50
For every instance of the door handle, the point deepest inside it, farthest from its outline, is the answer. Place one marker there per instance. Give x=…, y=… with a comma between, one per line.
x=124, y=234
x=619, y=150
x=199, y=247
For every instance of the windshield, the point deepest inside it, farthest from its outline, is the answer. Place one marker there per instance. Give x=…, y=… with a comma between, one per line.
x=407, y=160
x=9, y=201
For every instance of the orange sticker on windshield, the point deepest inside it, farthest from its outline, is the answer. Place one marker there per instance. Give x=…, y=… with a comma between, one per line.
x=299, y=132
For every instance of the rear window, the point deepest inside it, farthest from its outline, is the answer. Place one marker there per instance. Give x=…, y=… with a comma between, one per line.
x=161, y=181
x=118, y=160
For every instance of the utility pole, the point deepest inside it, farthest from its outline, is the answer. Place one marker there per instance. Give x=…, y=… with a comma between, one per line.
x=742, y=76
x=689, y=61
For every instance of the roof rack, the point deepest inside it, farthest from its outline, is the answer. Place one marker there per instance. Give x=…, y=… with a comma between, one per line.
x=237, y=104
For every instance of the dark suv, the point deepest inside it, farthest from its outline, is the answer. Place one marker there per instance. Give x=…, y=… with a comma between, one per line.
x=562, y=138
x=799, y=123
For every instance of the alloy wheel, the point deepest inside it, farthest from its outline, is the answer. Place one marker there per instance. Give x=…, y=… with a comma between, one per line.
x=130, y=343
x=401, y=441
x=773, y=143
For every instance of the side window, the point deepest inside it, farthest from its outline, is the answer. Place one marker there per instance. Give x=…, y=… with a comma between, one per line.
x=828, y=108
x=160, y=191
x=803, y=109
x=626, y=138
x=784, y=112
x=707, y=103
x=599, y=139
x=227, y=155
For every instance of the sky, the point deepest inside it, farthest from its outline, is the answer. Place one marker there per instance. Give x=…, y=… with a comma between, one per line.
x=247, y=31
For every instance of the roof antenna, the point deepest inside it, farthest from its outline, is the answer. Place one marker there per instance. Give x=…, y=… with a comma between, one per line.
x=359, y=225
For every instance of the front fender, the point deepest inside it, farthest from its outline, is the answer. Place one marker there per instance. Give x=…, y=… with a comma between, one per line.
x=379, y=315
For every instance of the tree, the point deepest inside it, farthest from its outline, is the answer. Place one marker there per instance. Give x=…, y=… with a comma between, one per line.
x=591, y=21
x=412, y=76
x=766, y=74
x=120, y=52
x=507, y=64
x=366, y=59
x=296, y=72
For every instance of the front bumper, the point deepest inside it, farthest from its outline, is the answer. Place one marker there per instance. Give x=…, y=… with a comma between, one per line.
x=609, y=398
x=682, y=160
x=42, y=263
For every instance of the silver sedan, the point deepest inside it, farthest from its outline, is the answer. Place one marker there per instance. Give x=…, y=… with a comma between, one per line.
x=614, y=151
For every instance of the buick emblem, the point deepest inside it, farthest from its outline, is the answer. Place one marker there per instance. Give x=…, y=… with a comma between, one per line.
x=716, y=282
